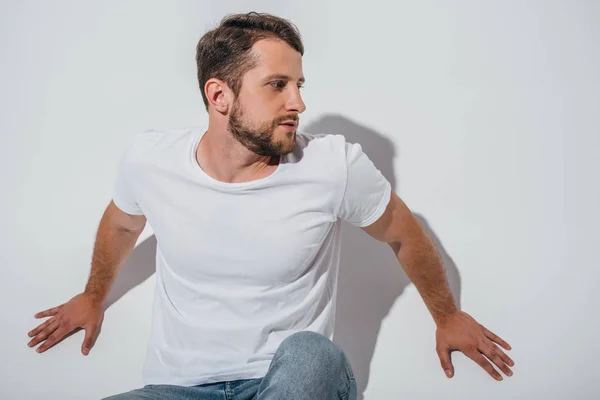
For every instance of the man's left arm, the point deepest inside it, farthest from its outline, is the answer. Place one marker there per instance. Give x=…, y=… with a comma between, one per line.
x=456, y=330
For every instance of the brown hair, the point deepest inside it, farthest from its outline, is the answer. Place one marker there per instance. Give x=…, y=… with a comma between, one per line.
x=224, y=52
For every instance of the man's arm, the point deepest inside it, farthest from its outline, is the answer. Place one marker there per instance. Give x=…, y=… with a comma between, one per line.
x=418, y=256
x=115, y=239
x=456, y=330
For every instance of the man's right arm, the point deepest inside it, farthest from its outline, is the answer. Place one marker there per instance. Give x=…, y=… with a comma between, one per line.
x=116, y=237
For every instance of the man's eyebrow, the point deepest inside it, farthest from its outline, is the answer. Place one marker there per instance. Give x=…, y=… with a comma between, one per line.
x=284, y=77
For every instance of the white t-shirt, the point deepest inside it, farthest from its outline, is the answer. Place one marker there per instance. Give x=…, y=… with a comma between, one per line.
x=241, y=266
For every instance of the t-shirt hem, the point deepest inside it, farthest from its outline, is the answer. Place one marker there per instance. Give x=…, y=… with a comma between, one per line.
x=254, y=373
x=121, y=205
x=385, y=199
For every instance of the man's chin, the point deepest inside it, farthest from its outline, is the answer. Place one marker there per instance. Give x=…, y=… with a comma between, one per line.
x=288, y=144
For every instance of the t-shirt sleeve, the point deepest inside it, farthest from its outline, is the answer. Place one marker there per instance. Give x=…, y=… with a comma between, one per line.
x=367, y=192
x=123, y=192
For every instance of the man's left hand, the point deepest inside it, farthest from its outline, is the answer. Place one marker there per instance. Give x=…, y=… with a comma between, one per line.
x=461, y=332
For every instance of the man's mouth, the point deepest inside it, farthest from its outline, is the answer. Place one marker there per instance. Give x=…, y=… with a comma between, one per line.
x=289, y=123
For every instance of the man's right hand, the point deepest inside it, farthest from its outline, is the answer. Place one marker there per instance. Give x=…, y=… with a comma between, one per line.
x=81, y=312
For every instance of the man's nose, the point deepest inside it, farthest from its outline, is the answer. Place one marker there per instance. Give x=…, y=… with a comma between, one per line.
x=295, y=102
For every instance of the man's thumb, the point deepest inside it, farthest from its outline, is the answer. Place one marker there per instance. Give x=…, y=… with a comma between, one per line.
x=89, y=340
x=444, y=355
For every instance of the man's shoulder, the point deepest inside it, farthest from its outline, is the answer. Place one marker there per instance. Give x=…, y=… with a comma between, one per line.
x=325, y=141
x=156, y=136
x=159, y=139
x=151, y=145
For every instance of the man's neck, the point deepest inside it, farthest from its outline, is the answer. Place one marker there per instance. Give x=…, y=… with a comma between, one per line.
x=225, y=159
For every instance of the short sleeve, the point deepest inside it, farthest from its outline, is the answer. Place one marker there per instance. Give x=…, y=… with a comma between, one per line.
x=123, y=193
x=367, y=192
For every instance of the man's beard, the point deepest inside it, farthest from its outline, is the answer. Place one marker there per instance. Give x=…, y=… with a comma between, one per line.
x=259, y=139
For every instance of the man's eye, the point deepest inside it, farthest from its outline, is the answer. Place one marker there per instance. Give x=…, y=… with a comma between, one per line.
x=280, y=85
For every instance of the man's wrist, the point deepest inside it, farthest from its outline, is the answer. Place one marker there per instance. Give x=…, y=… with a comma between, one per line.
x=443, y=318
x=95, y=298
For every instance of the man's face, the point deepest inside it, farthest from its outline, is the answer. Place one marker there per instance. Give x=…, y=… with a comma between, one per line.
x=269, y=96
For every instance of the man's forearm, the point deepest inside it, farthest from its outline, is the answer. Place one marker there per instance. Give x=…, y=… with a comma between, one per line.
x=113, y=245
x=423, y=265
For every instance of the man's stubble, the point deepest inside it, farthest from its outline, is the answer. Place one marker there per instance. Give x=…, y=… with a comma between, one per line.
x=259, y=139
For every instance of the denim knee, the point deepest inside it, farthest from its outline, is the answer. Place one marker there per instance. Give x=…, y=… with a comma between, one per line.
x=312, y=348
x=309, y=365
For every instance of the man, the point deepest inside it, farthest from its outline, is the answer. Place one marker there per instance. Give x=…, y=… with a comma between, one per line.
x=246, y=212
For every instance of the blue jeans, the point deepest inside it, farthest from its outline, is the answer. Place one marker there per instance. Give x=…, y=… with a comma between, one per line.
x=307, y=365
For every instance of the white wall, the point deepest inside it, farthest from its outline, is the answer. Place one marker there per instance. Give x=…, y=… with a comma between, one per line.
x=484, y=115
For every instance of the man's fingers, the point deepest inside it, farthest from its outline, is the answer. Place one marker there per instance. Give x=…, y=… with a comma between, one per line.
x=52, y=339
x=48, y=313
x=496, y=338
x=43, y=334
x=41, y=327
x=89, y=340
x=483, y=363
x=444, y=355
x=69, y=334
x=492, y=352
x=509, y=361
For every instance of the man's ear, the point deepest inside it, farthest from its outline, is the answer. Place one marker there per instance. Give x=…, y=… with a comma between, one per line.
x=218, y=94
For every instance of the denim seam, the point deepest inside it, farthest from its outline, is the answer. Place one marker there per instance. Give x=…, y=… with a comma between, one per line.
x=350, y=378
x=229, y=392
x=344, y=396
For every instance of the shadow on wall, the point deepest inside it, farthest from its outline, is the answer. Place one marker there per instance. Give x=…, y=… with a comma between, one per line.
x=370, y=278
x=139, y=266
